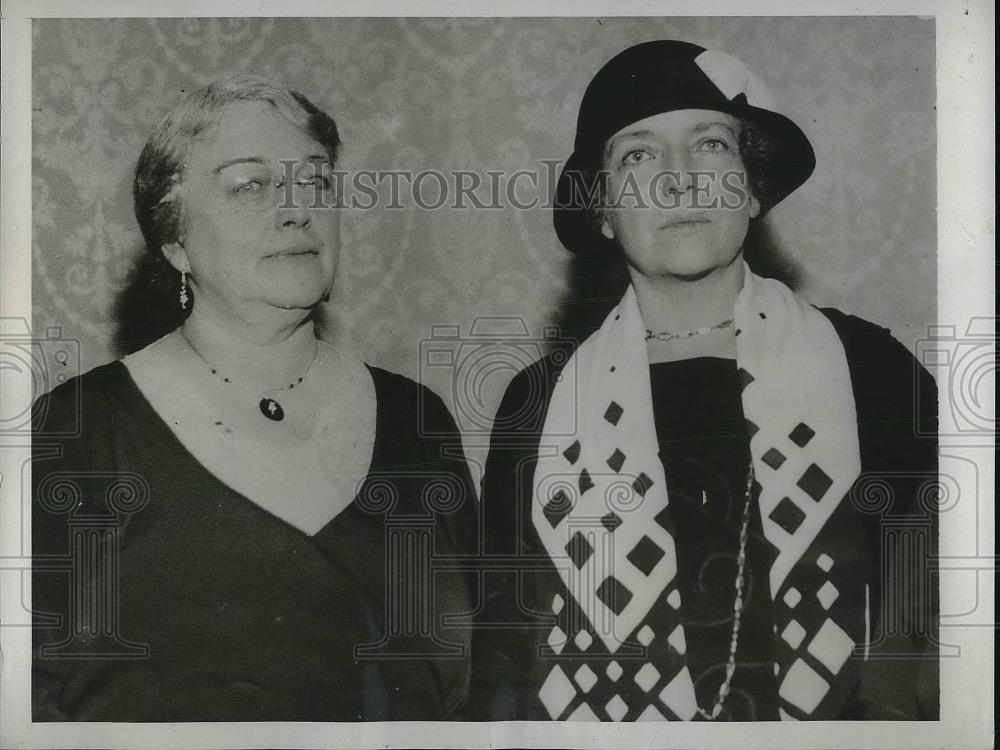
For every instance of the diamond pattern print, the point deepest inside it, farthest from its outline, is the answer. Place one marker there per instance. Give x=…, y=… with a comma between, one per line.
x=572, y=453
x=614, y=594
x=557, y=604
x=557, y=508
x=647, y=677
x=613, y=413
x=793, y=634
x=676, y=639
x=773, y=458
x=651, y=714
x=614, y=671
x=556, y=639
x=801, y=435
x=583, y=712
x=827, y=595
x=616, y=708
x=611, y=521
x=787, y=515
x=585, y=678
x=678, y=696
x=557, y=692
x=616, y=690
x=579, y=549
x=792, y=597
x=645, y=555
x=642, y=483
x=814, y=482
x=645, y=635
x=825, y=562
x=802, y=687
x=831, y=646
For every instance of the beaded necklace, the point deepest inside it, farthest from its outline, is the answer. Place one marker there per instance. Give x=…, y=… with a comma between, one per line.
x=268, y=405
x=737, y=605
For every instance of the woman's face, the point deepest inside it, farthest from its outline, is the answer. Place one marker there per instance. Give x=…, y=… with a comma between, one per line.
x=245, y=243
x=683, y=207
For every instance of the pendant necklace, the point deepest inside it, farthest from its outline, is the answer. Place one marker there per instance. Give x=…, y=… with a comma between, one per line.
x=269, y=406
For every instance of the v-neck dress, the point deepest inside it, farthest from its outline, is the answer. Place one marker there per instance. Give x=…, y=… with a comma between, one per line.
x=161, y=594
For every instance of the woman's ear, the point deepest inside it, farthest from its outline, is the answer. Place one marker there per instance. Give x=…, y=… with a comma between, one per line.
x=177, y=256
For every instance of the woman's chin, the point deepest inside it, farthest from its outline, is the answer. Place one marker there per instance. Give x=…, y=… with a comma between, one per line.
x=687, y=269
x=296, y=299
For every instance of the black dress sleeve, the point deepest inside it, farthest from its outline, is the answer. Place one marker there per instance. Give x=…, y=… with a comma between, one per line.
x=501, y=650
x=897, y=405
x=420, y=453
x=66, y=483
x=457, y=526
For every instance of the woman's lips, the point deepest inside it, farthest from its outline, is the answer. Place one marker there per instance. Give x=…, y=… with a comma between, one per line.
x=681, y=222
x=294, y=252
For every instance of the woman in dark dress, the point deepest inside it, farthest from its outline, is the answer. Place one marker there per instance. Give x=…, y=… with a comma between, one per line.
x=237, y=522
x=700, y=505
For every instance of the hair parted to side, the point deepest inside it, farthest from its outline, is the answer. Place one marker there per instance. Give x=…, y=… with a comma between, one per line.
x=757, y=151
x=149, y=308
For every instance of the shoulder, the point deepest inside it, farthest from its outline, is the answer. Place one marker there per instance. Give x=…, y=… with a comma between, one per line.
x=526, y=400
x=66, y=408
x=392, y=388
x=875, y=357
x=896, y=397
x=867, y=340
x=409, y=404
x=857, y=331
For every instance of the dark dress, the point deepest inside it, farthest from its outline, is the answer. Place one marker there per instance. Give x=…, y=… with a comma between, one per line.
x=161, y=594
x=704, y=448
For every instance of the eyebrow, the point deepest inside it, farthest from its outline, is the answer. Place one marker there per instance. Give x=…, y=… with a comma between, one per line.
x=262, y=160
x=645, y=133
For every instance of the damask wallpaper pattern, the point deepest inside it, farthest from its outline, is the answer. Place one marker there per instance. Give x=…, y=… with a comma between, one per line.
x=478, y=94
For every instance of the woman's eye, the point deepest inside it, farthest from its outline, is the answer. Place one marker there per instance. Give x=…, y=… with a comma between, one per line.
x=713, y=145
x=249, y=186
x=636, y=155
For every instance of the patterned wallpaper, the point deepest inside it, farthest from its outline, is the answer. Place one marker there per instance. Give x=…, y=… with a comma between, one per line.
x=479, y=94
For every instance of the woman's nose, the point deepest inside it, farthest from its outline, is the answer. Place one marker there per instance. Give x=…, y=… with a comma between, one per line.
x=677, y=171
x=293, y=207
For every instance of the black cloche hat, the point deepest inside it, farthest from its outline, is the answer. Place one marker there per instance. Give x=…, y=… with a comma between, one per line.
x=664, y=76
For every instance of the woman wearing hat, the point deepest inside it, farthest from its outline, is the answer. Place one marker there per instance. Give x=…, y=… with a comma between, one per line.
x=686, y=501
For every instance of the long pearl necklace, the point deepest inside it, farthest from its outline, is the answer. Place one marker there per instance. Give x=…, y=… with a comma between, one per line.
x=737, y=605
x=268, y=405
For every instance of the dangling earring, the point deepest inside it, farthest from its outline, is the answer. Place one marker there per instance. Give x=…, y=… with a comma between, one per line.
x=183, y=297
